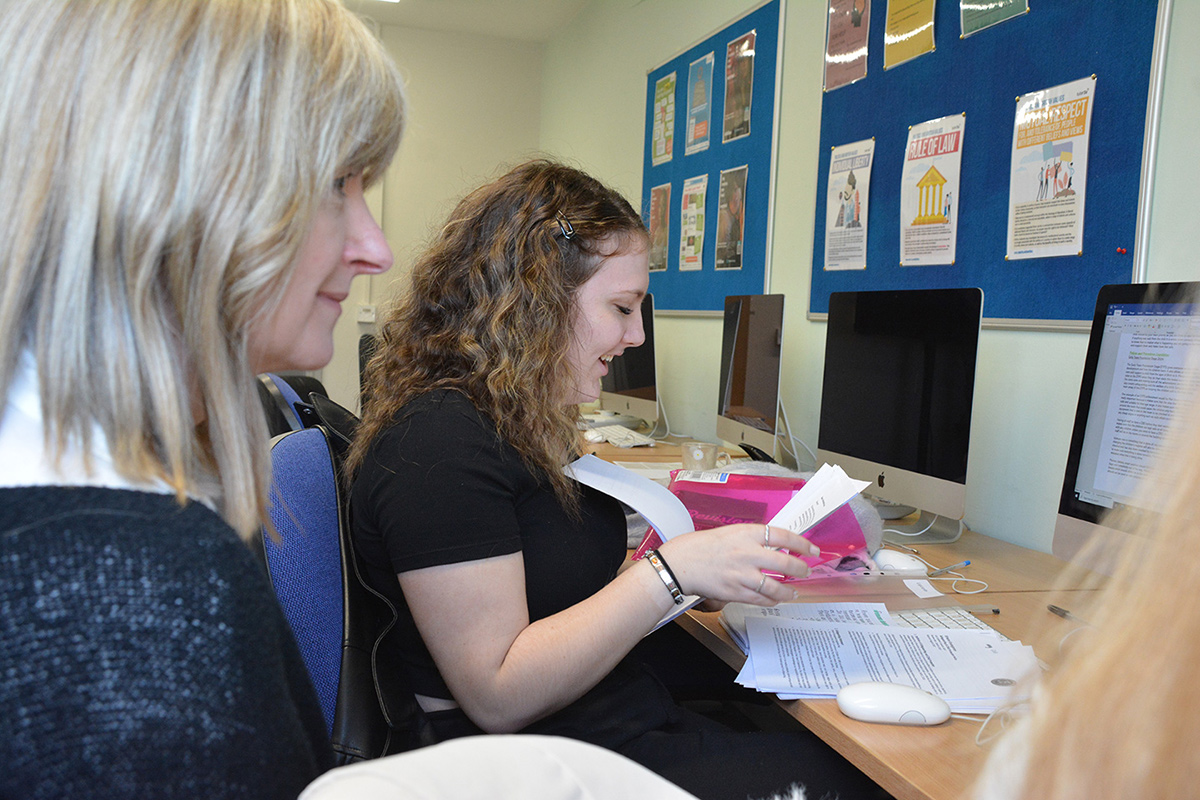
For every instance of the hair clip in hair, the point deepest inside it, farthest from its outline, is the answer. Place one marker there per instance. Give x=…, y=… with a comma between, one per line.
x=564, y=225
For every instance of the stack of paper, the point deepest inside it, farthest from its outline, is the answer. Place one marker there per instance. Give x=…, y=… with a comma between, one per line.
x=813, y=649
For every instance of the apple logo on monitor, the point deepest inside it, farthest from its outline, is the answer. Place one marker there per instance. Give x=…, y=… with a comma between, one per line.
x=879, y=480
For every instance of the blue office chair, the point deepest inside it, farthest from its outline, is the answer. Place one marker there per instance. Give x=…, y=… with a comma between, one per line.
x=336, y=618
x=287, y=401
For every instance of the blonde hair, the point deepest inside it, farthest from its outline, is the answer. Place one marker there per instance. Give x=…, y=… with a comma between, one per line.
x=160, y=165
x=490, y=309
x=1116, y=717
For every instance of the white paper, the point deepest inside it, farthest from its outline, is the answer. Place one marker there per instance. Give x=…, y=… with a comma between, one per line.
x=825, y=492
x=922, y=588
x=663, y=510
x=972, y=670
x=733, y=615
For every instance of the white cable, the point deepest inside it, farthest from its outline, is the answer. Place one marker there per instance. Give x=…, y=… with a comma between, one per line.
x=662, y=416
x=796, y=440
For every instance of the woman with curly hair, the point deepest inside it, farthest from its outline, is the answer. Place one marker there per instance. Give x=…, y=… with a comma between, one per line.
x=515, y=609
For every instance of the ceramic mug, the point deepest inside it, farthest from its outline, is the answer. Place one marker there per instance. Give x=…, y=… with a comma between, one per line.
x=703, y=456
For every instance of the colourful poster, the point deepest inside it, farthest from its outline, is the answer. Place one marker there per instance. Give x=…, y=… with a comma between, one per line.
x=691, y=223
x=1048, y=180
x=846, y=36
x=700, y=85
x=731, y=218
x=739, y=86
x=976, y=16
x=846, y=205
x=660, y=226
x=663, y=137
x=909, y=31
x=929, y=190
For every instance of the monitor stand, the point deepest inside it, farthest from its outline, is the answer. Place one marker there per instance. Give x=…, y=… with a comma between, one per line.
x=934, y=529
x=597, y=418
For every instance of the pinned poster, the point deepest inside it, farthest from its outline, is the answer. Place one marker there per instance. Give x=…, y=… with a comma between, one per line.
x=929, y=187
x=846, y=205
x=975, y=16
x=700, y=81
x=909, y=31
x=739, y=86
x=846, y=37
x=660, y=226
x=691, y=223
x=1047, y=184
x=663, y=137
x=731, y=218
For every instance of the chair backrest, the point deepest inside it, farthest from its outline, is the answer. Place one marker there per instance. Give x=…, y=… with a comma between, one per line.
x=287, y=401
x=305, y=562
x=336, y=618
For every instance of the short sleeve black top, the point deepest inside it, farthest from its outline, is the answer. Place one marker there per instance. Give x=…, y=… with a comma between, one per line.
x=441, y=487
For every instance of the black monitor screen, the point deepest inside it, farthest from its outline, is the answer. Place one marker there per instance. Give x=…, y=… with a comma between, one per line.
x=632, y=374
x=750, y=355
x=1140, y=371
x=900, y=377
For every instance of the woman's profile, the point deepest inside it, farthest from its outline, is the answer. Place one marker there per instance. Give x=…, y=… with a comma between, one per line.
x=183, y=207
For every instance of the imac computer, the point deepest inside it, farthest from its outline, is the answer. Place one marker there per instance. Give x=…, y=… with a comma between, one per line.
x=1140, y=368
x=896, y=400
x=748, y=405
x=630, y=389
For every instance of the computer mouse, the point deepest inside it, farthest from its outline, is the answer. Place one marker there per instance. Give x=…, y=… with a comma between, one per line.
x=897, y=563
x=893, y=703
x=593, y=436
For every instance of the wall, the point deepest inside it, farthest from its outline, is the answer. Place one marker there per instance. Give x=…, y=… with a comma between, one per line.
x=474, y=106
x=1028, y=382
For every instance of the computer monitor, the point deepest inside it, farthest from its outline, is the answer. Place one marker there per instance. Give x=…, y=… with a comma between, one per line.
x=896, y=398
x=748, y=404
x=1140, y=366
x=631, y=385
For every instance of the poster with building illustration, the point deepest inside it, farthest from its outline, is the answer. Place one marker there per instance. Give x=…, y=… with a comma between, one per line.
x=929, y=191
x=1047, y=183
x=846, y=205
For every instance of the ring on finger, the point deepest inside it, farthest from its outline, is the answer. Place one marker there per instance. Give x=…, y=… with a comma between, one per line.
x=766, y=535
x=761, y=583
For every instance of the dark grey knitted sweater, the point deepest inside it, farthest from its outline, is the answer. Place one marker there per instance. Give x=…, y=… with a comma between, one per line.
x=142, y=654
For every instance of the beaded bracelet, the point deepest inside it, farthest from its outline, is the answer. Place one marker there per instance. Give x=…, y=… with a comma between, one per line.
x=664, y=572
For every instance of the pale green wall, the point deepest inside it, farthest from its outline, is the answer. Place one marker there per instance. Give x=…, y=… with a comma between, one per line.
x=592, y=113
x=474, y=106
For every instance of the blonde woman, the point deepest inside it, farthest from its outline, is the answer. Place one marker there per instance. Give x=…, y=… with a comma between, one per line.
x=181, y=206
x=515, y=611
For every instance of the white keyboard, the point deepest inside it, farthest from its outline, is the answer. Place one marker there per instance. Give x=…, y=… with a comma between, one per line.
x=946, y=617
x=621, y=437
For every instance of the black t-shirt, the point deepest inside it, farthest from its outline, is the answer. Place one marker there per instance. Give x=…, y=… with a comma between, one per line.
x=441, y=487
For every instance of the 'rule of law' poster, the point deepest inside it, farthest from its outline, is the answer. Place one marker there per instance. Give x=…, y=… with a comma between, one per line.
x=1047, y=186
x=846, y=205
x=929, y=189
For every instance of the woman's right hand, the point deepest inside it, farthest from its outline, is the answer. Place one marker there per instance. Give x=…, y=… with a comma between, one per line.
x=727, y=564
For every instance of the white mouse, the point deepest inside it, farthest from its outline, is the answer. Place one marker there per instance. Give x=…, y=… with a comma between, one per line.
x=898, y=563
x=874, y=701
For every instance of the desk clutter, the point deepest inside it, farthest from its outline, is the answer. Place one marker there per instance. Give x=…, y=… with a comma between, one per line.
x=813, y=650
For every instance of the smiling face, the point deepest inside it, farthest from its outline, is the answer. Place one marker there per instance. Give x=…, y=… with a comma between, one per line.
x=344, y=241
x=607, y=319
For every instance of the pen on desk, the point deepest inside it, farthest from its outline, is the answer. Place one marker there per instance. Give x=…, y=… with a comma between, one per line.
x=1062, y=612
x=943, y=570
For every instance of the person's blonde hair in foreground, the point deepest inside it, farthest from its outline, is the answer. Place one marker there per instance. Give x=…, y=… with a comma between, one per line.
x=180, y=207
x=1117, y=717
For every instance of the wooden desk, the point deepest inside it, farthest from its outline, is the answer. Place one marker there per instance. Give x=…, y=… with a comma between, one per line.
x=911, y=763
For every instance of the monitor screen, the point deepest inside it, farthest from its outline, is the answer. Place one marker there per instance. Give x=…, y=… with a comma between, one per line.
x=751, y=345
x=897, y=392
x=631, y=385
x=1138, y=372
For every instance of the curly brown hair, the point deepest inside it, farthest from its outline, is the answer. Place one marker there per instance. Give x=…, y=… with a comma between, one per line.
x=490, y=308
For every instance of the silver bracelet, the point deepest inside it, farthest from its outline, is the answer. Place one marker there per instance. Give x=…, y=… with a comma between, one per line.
x=664, y=572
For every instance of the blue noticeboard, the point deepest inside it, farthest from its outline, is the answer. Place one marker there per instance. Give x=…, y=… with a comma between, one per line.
x=741, y=162
x=981, y=75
